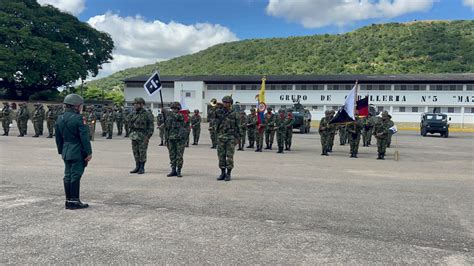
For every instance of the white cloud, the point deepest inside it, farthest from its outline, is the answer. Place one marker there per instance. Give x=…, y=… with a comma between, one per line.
x=139, y=42
x=469, y=3
x=320, y=13
x=74, y=7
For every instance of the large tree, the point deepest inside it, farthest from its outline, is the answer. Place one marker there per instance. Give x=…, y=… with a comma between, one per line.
x=42, y=48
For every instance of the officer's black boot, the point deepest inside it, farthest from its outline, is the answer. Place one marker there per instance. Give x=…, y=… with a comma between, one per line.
x=228, y=175
x=35, y=136
x=137, y=167
x=289, y=147
x=352, y=155
x=109, y=137
x=67, y=192
x=222, y=176
x=173, y=172
x=161, y=143
x=141, y=170
x=178, y=172
x=75, y=202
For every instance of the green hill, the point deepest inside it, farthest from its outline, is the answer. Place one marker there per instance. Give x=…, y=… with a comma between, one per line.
x=394, y=48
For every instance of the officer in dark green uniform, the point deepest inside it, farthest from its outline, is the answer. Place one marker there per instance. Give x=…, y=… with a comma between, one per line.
x=72, y=141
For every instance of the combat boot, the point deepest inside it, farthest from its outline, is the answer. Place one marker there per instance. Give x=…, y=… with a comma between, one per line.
x=67, y=192
x=383, y=156
x=161, y=143
x=267, y=147
x=228, y=175
x=379, y=157
x=75, y=202
x=104, y=134
x=137, y=167
x=141, y=169
x=355, y=154
x=35, y=136
x=109, y=137
x=173, y=172
x=222, y=176
x=178, y=172
x=50, y=136
x=21, y=135
x=280, y=150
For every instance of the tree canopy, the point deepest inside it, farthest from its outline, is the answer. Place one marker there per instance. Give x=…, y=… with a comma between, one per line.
x=42, y=48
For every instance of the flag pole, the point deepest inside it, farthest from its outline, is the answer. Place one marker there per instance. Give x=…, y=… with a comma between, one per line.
x=161, y=99
x=355, y=97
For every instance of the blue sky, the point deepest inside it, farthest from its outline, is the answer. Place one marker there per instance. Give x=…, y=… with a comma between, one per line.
x=248, y=19
x=149, y=31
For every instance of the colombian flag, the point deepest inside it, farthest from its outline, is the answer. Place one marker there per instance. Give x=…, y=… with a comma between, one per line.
x=261, y=107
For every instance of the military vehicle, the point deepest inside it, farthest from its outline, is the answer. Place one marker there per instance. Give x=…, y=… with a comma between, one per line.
x=434, y=123
x=302, y=118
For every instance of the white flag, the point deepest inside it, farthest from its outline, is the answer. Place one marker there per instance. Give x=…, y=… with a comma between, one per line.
x=350, y=101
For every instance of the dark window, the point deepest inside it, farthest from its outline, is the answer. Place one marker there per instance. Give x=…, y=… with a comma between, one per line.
x=414, y=109
x=188, y=94
x=450, y=109
x=401, y=109
x=380, y=108
x=472, y=110
x=369, y=87
x=335, y=107
x=470, y=87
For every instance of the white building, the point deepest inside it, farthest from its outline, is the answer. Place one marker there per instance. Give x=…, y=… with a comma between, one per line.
x=405, y=96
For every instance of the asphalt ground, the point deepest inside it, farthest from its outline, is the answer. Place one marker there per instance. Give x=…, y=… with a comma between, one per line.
x=292, y=208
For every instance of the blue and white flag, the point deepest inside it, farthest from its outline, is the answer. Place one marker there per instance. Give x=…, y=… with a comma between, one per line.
x=346, y=113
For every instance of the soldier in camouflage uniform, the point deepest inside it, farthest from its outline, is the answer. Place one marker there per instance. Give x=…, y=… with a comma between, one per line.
x=50, y=121
x=160, y=121
x=211, y=117
x=196, y=126
x=281, y=124
x=243, y=130
x=381, y=133
x=332, y=131
x=341, y=130
x=367, y=130
x=269, y=128
x=6, y=118
x=176, y=138
x=109, y=121
x=22, y=119
x=38, y=120
x=228, y=134
x=324, y=132
x=290, y=121
x=390, y=133
x=259, y=136
x=187, y=127
x=126, y=120
x=89, y=119
x=119, y=118
x=354, y=129
x=251, y=127
x=103, y=119
x=141, y=130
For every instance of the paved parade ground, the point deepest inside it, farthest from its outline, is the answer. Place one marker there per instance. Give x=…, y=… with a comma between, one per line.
x=294, y=208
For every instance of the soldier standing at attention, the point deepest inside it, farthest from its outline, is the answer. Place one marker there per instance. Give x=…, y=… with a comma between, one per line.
x=126, y=120
x=211, y=116
x=160, y=124
x=290, y=121
x=72, y=141
x=251, y=127
x=382, y=132
x=342, y=134
x=196, y=126
x=175, y=138
x=269, y=128
x=38, y=119
x=141, y=130
x=367, y=127
x=228, y=134
x=109, y=121
x=243, y=130
x=89, y=118
x=50, y=120
x=353, y=129
x=119, y=120
x=390, y=133
x=332, y=131
x=6, y=118
x=324, y=132
x=22, y=119
x=103, y=119
x=259, y=136
x=281, y=129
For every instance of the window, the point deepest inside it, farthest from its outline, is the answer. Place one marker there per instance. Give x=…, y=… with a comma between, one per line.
x=380, y=108
x=168, y=85
x=188, y=95
x=410, y=87
x=315, y=108
x=283, y=87
x=414, y=109
x=335, y=87
x=335, y=107
x=304, y=87
x=470, y=87
x=401, y=109
x=446, y=87
x=219, y=86
x=450, y=109
x=472, y=110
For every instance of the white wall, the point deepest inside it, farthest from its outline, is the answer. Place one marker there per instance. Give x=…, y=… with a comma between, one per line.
x=195, y=89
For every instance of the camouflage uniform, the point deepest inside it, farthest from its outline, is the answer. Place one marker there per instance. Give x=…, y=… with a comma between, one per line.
x=342, y=134
x=141, y=130
x=6, y=118
x=269, y=128
x=89, y=121
x=109, y=122
x=228, y=123
x=196, y=126
x=381, y=133
x=187, y=128
x=211, y=117
x=281, y=124
x=38, y=120
x=50, y=114
x=367, y=130
x=243, y=130
x=332, y=131
x=259, y=137
x=251, y=127
x=290, y=121
x=126, y=120
x=22, y=119
x=119, y=118
x=353, y=129
x=160, y=121
x=103, y=121
x=390, y=133
x=324, y=132
x=176, y=137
